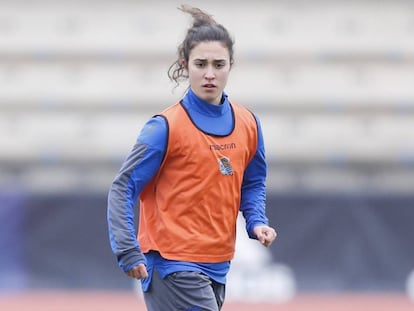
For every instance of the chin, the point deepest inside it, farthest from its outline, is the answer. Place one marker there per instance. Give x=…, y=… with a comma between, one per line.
x=209, y=97
x=213, y=99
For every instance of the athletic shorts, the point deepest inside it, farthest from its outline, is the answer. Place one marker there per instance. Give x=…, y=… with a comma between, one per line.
x=184, y=291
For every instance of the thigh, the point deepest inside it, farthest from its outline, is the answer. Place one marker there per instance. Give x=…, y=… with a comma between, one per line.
x=220, y=293
x=184, y=291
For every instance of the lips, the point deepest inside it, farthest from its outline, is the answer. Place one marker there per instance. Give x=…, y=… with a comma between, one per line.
x=209, y=86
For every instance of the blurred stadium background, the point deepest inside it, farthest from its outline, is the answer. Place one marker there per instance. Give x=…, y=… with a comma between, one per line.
x=332, y=82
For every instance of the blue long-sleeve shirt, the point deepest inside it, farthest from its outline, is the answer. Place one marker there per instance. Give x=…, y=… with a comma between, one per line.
x=143, y=163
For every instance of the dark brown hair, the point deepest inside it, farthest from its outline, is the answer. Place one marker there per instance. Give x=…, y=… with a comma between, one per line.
x=204, y=29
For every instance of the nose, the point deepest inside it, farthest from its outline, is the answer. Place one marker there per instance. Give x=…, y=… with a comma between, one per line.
x=209, y=75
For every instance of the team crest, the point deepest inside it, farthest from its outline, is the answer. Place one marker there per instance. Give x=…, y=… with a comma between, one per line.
x=225, y=166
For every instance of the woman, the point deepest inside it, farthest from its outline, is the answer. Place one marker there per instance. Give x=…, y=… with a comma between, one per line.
x=194, y=167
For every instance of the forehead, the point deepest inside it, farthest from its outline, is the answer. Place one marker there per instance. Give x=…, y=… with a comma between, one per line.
x=209, y=50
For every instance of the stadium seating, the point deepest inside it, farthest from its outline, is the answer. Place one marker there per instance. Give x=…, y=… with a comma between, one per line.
x=331, y=82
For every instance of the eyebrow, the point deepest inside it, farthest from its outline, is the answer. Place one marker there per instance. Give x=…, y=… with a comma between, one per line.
x=205, y=60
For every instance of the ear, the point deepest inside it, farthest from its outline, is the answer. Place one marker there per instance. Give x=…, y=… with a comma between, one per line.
x=184, y=63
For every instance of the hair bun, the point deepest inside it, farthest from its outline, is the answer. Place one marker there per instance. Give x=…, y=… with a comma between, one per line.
x=200, y=17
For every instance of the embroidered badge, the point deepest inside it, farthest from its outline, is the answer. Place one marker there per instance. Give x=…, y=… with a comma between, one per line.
x=225, y=166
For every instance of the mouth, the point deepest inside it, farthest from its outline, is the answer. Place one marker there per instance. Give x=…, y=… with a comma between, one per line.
x=209, y=86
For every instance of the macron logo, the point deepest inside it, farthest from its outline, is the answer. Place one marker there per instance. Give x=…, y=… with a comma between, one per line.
x=223, y=146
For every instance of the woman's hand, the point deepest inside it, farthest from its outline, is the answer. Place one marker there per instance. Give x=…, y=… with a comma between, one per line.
x=138, y=272
x=265, y=234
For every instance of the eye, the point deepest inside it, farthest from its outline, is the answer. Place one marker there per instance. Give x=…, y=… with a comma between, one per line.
x=220, y=65
x=199, y=64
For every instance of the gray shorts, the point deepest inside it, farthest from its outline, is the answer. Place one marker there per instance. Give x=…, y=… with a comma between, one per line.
x=184, y=291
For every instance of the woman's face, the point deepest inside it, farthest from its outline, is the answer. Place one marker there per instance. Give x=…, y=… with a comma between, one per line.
x=208, y=69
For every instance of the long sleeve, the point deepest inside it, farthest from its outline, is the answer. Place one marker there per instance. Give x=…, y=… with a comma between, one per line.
x=138, y=169
x=253, y=196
